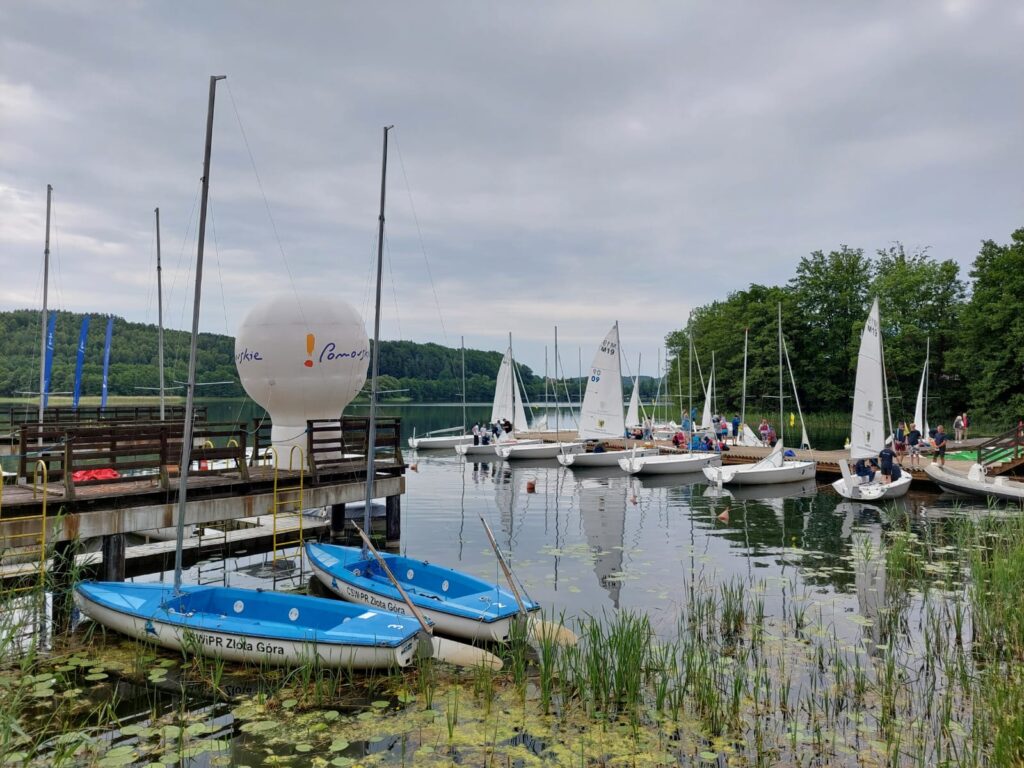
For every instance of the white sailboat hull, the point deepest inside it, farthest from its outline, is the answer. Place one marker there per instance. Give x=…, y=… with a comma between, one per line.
x=976, y=483
x=758, y=474
x=519, y=451
x=468, y=449
x=602, y=459
x=438, y=443
x=669, y=464
x=871, y=491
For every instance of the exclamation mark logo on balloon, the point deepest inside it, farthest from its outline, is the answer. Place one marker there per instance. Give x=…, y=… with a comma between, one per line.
x=310, y=343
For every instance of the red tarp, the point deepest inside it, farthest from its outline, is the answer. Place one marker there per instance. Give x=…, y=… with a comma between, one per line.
x=94, y=474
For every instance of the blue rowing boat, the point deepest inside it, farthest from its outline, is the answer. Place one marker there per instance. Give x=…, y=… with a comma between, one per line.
x=252, y=625
x=458, y=604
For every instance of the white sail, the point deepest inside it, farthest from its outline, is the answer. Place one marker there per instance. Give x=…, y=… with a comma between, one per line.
x=705, y=419
x=601, y=412
x=920, y=415
x=633, y=412
x=867, y=429
x=508, y=399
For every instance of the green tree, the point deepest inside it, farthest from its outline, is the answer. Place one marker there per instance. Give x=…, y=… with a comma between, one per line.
x=991, y=339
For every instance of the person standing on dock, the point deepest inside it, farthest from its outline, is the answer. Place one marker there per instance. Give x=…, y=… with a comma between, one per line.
x=735, y=428
x=885, y=460
x=914, y=445
x=940, y=445
x=958, y=427
x=476, y=434
x=899, y=442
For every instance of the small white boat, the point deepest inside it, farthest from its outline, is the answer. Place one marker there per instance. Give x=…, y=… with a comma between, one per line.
x=520, y=451
x=601, y=416
x=439, y=442
x=490, y=449
x=252, y=626
x=669, y=463
x=601, y=458
x=799, y=489
x=867, y=427
x=773, y=468
x=976, y=483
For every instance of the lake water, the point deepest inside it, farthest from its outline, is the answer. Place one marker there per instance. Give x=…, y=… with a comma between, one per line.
x=600, y=544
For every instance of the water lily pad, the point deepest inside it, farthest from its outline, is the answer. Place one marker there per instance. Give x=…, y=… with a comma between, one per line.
x=118, y=756
x=170, y=732
x=330, y=715
x=380, y=704
x=303, y=747
x=709, y=756
x=96, y=676
x=342, y=761
x=289, y=703
x=259, y=726
x=338, y=745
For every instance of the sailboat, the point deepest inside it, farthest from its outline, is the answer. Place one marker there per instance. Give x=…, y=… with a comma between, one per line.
x=867, y=429
x=241, y=624
x=442, y=438
x=543, y=450
x=921, y=407
x=601, y=413
x=773, y=468
x=677, y=463
x=508, y=404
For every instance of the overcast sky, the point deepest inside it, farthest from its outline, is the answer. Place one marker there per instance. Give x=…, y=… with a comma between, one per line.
x=564, y=164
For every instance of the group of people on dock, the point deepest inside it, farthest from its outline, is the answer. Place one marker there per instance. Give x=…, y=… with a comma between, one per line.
x=483, y=433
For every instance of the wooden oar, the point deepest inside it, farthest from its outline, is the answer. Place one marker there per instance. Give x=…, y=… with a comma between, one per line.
x=451, y=651
x=537, y=627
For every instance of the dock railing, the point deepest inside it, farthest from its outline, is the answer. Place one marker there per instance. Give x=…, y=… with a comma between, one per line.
x=1003, y=453
x=339, y=447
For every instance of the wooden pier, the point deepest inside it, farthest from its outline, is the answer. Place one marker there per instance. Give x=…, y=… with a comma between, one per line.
x=82, y=481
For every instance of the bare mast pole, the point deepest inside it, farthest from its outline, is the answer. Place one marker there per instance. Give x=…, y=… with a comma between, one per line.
x=462, y=342
x=371, y=432
x=46, y=281
x=743, y=406
x=159, y=315
x=782, y=426
x=186, y=440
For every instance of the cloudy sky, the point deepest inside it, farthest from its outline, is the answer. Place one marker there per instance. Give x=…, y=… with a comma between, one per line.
x=562, y=164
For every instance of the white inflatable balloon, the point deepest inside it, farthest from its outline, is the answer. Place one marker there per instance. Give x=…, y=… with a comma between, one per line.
x=301, y=359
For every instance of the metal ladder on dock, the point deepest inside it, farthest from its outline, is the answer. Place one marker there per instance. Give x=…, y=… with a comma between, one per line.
x=211, y=568
x=288, y=500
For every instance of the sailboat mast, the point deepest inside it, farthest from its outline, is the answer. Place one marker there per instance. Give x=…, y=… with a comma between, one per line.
x=924, y=401
x=46, y=281
x=743, y=401
x=557, y=426
x=462, y=343
x=689, y=381
x=782, y=425
x=512, y=392
x=159, y=315
x=186, y=440
x=711, y=384
x=371, y=431
x=885, y=382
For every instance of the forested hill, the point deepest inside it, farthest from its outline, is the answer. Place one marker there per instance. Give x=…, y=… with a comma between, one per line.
x=974, y=332
x=428, y=372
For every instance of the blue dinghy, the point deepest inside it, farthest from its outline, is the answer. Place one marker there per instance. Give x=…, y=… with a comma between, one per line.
x=458, y=604
x=252, y=625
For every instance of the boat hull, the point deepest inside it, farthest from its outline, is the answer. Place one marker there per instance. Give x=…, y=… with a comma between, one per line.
x=345, y=577
x=602, y=459
x=468, y=449
x=521, y=452
x=976, y=484
x=230, y=639
x=753, y=474
x=873, y=491
x=439, y=443
x=669, y=464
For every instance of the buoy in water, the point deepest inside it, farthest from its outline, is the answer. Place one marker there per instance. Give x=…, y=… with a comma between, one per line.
x=414, y=467
x=531, y=486
x=724, y=516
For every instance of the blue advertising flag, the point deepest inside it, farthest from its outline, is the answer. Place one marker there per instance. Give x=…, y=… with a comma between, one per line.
x=81, y=359
x=106, y=361
x=50, y=328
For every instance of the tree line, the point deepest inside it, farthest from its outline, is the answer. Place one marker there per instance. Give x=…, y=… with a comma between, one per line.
x=417, y=372
x=974, y=332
